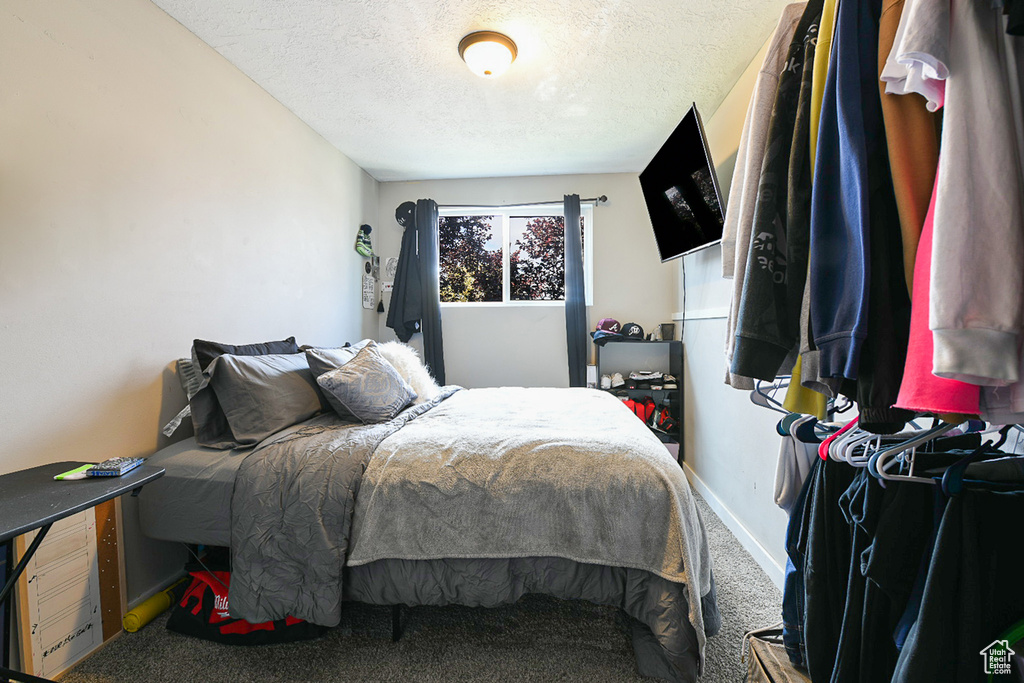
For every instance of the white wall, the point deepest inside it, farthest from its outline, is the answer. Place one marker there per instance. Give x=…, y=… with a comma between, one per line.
x=731, y=445
x=150, y=194
x=525, y=345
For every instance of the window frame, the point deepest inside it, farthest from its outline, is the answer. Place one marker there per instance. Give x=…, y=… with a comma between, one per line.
x=530, y=210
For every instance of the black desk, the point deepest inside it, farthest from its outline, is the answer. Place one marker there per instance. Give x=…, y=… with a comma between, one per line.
x=31, y=499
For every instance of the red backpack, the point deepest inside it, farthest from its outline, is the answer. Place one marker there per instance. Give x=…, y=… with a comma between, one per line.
x=203, y=613
x=644, y=408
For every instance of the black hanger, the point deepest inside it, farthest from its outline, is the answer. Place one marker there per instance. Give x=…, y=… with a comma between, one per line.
x=953, y=478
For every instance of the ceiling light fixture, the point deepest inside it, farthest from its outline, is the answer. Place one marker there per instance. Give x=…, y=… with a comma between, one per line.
x=487, y=53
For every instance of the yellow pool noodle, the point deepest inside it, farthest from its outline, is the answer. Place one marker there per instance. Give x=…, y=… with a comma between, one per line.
x=150, y=609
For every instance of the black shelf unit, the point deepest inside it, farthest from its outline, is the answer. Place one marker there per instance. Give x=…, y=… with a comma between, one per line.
x=665, y=355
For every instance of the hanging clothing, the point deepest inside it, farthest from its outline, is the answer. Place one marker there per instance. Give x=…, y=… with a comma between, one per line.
x=799, y=398
x=796, y=459
x=1015, y=17
x=973, y=591
x=746, y=174
x=827, y=553
x=794, y=588
x=884, y=350
x=977, y=285
x=861, y=506
x=406, y=306
x=860, y=320
x=768, y=326
x=822, y=56
x=919, y=59
x=912, y=136
x=921, y=390
x=739, y=215
x=900, y=545
x=808, y=391
x=849, y=134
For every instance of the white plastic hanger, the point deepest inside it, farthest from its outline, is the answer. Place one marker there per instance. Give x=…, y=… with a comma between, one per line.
x=881, y=462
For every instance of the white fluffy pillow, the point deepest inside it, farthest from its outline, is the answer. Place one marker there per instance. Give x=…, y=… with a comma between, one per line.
x=405, y=359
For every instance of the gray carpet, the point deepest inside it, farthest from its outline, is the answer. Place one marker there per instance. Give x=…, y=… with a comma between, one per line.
x=537, y=639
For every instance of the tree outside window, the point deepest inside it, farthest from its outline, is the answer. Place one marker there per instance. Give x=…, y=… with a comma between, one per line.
x=510, y=255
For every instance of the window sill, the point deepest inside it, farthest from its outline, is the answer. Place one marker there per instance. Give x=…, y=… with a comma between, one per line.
x=503, y=304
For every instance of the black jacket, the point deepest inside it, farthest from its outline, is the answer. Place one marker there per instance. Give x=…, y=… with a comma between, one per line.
x=406, y=307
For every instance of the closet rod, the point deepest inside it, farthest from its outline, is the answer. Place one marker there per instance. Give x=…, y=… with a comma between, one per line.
x=596, y=200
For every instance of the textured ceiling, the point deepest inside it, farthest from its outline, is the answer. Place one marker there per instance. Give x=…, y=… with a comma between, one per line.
x=597, y=87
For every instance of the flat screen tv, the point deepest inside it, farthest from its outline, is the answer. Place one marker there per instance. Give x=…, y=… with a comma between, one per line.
x=681, y=190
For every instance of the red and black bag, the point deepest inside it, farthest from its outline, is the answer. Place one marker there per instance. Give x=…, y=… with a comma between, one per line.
x=203, y=613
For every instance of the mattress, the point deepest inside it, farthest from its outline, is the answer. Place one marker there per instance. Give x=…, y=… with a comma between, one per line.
x=191, y=503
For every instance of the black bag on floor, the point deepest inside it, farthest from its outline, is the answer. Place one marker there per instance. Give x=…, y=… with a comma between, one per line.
x=203, y=613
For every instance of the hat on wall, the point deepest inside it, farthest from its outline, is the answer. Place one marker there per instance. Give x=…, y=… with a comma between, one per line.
x=405, y=214
x=608, y=325
x=632, y=330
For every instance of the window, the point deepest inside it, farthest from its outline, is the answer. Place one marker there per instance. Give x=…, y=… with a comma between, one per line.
x=513, y=255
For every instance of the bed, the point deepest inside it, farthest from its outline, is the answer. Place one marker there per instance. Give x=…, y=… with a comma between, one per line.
x=475, y=497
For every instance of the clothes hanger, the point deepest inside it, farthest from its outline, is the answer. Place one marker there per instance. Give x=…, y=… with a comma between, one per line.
x=857, y=451
x=760, y=397
x=879, y=463
x=823, y=447
x=841, y=405
x=805, y=431
x=808, y=431
x=953, y=477
x=785, y=425
x=837, y=448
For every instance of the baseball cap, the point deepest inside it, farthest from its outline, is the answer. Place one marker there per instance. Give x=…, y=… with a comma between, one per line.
x=608, y=325
x=632, y=330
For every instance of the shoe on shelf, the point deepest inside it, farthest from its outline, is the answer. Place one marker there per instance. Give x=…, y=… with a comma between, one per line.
x=606, y=382
x=669, y=382
x=650, y=411
x=617, y=380
x=665, y=421
x=645, y=375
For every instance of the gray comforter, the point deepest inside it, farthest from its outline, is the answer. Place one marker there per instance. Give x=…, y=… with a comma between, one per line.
x=291, y=513
x=517, y=479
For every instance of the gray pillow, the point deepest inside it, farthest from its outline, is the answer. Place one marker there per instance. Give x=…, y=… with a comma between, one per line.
x=257, y=396
x=323, y=360
x=368, y=387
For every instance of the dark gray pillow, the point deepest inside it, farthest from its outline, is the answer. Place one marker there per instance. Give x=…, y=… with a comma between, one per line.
x=204, y=352
x=368, y=387
x=256, y=395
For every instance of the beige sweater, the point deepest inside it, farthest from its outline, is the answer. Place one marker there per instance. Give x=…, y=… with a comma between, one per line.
x=739, y=215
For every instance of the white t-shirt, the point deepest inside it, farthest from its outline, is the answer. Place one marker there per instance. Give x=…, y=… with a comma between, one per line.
x=976, y=310
x=918, y=60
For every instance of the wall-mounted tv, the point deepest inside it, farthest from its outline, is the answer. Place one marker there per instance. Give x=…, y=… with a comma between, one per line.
x=681, y=190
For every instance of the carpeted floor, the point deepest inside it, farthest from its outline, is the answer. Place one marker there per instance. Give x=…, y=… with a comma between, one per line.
x=538, y=639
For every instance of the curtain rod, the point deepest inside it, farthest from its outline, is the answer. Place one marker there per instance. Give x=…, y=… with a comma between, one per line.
x=596, y=200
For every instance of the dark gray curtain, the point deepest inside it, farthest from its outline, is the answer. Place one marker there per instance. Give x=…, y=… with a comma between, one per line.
x=575, y=297
x=430, y=324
